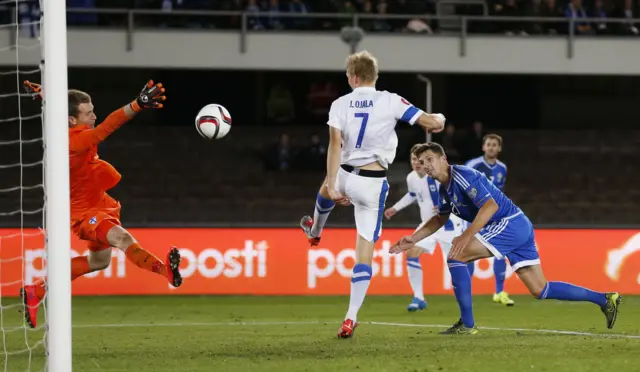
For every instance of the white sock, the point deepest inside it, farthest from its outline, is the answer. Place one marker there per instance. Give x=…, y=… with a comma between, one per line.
x=321, y=214
x=414, y=271
x=359, y=284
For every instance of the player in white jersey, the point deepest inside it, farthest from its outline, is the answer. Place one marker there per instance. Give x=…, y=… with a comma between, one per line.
x=362, y=144
x=423, y=190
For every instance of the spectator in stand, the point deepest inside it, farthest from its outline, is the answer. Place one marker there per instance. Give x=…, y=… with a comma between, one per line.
x=254, y=20
x=279, y=156
x=625, y=10
x=575, y=11
x=599, y=11
x=509, y=9
x=366, y=23
x=550, y=9
x=450, y=141
x=274, y=20
x=348, y=7
x=300, y=7
x=381, y=24
x=314, y=156
x=533, y=8
x=473, y=141
x=280, y=105
x=84, y=19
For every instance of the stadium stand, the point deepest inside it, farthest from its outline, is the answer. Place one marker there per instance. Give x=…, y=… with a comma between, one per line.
x=166, y=182
x=267, y=15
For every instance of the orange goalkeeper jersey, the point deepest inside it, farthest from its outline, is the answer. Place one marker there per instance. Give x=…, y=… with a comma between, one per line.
x=91, y=177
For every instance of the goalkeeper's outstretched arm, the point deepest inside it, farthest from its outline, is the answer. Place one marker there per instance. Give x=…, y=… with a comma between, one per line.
x=151, y=96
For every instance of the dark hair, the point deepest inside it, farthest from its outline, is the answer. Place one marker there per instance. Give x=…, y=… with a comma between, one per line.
x=492, y=136
x=414, y=147
x=421, y=148
x=76, y=98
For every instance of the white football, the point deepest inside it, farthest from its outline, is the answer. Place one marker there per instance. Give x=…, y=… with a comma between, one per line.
x=213, y=121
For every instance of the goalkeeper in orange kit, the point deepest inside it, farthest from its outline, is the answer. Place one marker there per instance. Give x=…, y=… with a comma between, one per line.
x=95, y=216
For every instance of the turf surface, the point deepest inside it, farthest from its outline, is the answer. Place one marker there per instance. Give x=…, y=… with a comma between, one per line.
x=298, y=334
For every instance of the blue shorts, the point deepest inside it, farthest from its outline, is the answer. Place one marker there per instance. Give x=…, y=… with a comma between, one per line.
x=511, y=237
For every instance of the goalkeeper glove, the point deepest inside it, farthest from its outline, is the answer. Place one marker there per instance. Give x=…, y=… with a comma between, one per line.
x=151, y=96
x=34, y=89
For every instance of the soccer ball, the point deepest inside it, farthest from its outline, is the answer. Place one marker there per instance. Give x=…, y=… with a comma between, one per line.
x=213, y=121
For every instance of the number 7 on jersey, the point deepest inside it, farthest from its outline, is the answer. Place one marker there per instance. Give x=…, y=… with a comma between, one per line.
x=363, y=126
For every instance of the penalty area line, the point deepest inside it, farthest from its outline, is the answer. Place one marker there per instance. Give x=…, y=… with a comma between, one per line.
x=408, y=325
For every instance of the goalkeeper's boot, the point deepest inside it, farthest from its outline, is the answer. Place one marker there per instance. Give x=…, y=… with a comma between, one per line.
x=347, y=329
x=173, y=267
x=610, y=309
x=307, y=223
x=31, y=304
x=460, y=329
x=503, y=298
x=417, y=304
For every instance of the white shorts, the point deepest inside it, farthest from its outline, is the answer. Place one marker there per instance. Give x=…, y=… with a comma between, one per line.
x=442, y=236
x=368, y=195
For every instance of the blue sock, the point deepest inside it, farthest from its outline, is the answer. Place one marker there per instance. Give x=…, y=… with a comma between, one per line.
x=461, y=281
x=499, y=271
x=321, y=214
x=472, y=267
x=569, y=292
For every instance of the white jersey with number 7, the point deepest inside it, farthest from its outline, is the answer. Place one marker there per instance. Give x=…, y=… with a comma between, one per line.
x=367, y=118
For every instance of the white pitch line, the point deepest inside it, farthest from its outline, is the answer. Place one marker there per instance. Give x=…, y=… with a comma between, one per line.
x=222, y=324
x=203, y=324
x=551, y=331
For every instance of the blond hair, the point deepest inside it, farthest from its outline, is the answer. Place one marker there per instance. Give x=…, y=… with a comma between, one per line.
x=363, y=65
x=492, y=136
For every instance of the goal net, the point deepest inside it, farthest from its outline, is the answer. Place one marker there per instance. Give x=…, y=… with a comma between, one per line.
x=29, y=155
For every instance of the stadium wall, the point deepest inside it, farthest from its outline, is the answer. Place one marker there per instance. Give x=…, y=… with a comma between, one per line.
x=277, y=261
x=315, y=51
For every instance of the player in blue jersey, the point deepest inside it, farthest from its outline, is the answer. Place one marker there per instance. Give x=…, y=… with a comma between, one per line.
x=496, y=172
x=498, y=229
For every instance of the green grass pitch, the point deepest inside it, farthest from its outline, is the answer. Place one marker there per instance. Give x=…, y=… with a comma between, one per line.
x=217, y=333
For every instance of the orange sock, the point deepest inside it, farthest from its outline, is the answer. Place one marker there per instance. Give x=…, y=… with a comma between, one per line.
x=145, y=260
x=79, y=267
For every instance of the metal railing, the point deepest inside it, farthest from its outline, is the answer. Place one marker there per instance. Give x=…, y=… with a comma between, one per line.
x=569, y=24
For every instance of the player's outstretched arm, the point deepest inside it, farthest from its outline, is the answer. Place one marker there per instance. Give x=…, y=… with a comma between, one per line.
x=429, y=228
x=432, y=123
x=150, y=97
x=406, y=201
x=459, y=243
x=488, y=209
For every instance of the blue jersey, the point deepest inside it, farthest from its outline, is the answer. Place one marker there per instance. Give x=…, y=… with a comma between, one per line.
x=468, y=190
x=496, y=173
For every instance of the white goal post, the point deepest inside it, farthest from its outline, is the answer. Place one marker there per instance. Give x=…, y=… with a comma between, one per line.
x=56, y=139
